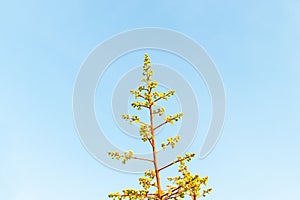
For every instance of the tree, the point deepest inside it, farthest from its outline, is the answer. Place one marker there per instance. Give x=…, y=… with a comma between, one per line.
x=184, y=184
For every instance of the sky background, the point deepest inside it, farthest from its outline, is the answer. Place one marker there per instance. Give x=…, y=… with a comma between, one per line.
x=254, y=44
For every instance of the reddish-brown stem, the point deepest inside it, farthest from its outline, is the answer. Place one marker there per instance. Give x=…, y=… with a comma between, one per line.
x=172, y=163
x=194, y=197
x=164, y=123
x=143, y=106
x=144, y=159
x=157, y=99
x=177, y=188
x=154, y=154
x=160, y=125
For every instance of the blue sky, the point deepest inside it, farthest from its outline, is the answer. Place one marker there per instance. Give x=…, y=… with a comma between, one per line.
x=254, y=44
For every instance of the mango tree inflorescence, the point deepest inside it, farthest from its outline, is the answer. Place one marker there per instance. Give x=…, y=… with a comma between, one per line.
x=180, y=186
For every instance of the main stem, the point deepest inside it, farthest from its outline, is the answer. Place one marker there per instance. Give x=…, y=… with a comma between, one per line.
x=194, y=197
x=154, y=154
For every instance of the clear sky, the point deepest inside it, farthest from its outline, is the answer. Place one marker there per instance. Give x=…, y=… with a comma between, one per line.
x=255, y=45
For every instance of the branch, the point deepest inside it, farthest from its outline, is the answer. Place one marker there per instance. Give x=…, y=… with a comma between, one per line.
x=144, y=123
x=157, y=99
x=172, y=163
x=176, y=161
x=178, y=191
x=160, y=125
x=144, y=159
x=150, y=141
x=167, y=121
x=144, y=106
x=177, y=188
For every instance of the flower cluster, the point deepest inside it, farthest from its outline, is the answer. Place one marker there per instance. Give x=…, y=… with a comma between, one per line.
x=131, y=119
x=145, y=132
x=147, y=97
x=170, y=141
x=125, y=156
x=171, y=119
x=186, y=183
x=159, y=111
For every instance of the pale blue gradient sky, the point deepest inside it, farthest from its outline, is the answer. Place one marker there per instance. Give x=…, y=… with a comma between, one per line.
x=254, y=44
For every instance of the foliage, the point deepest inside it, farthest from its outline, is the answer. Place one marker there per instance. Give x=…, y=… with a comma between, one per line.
x=184, y=184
